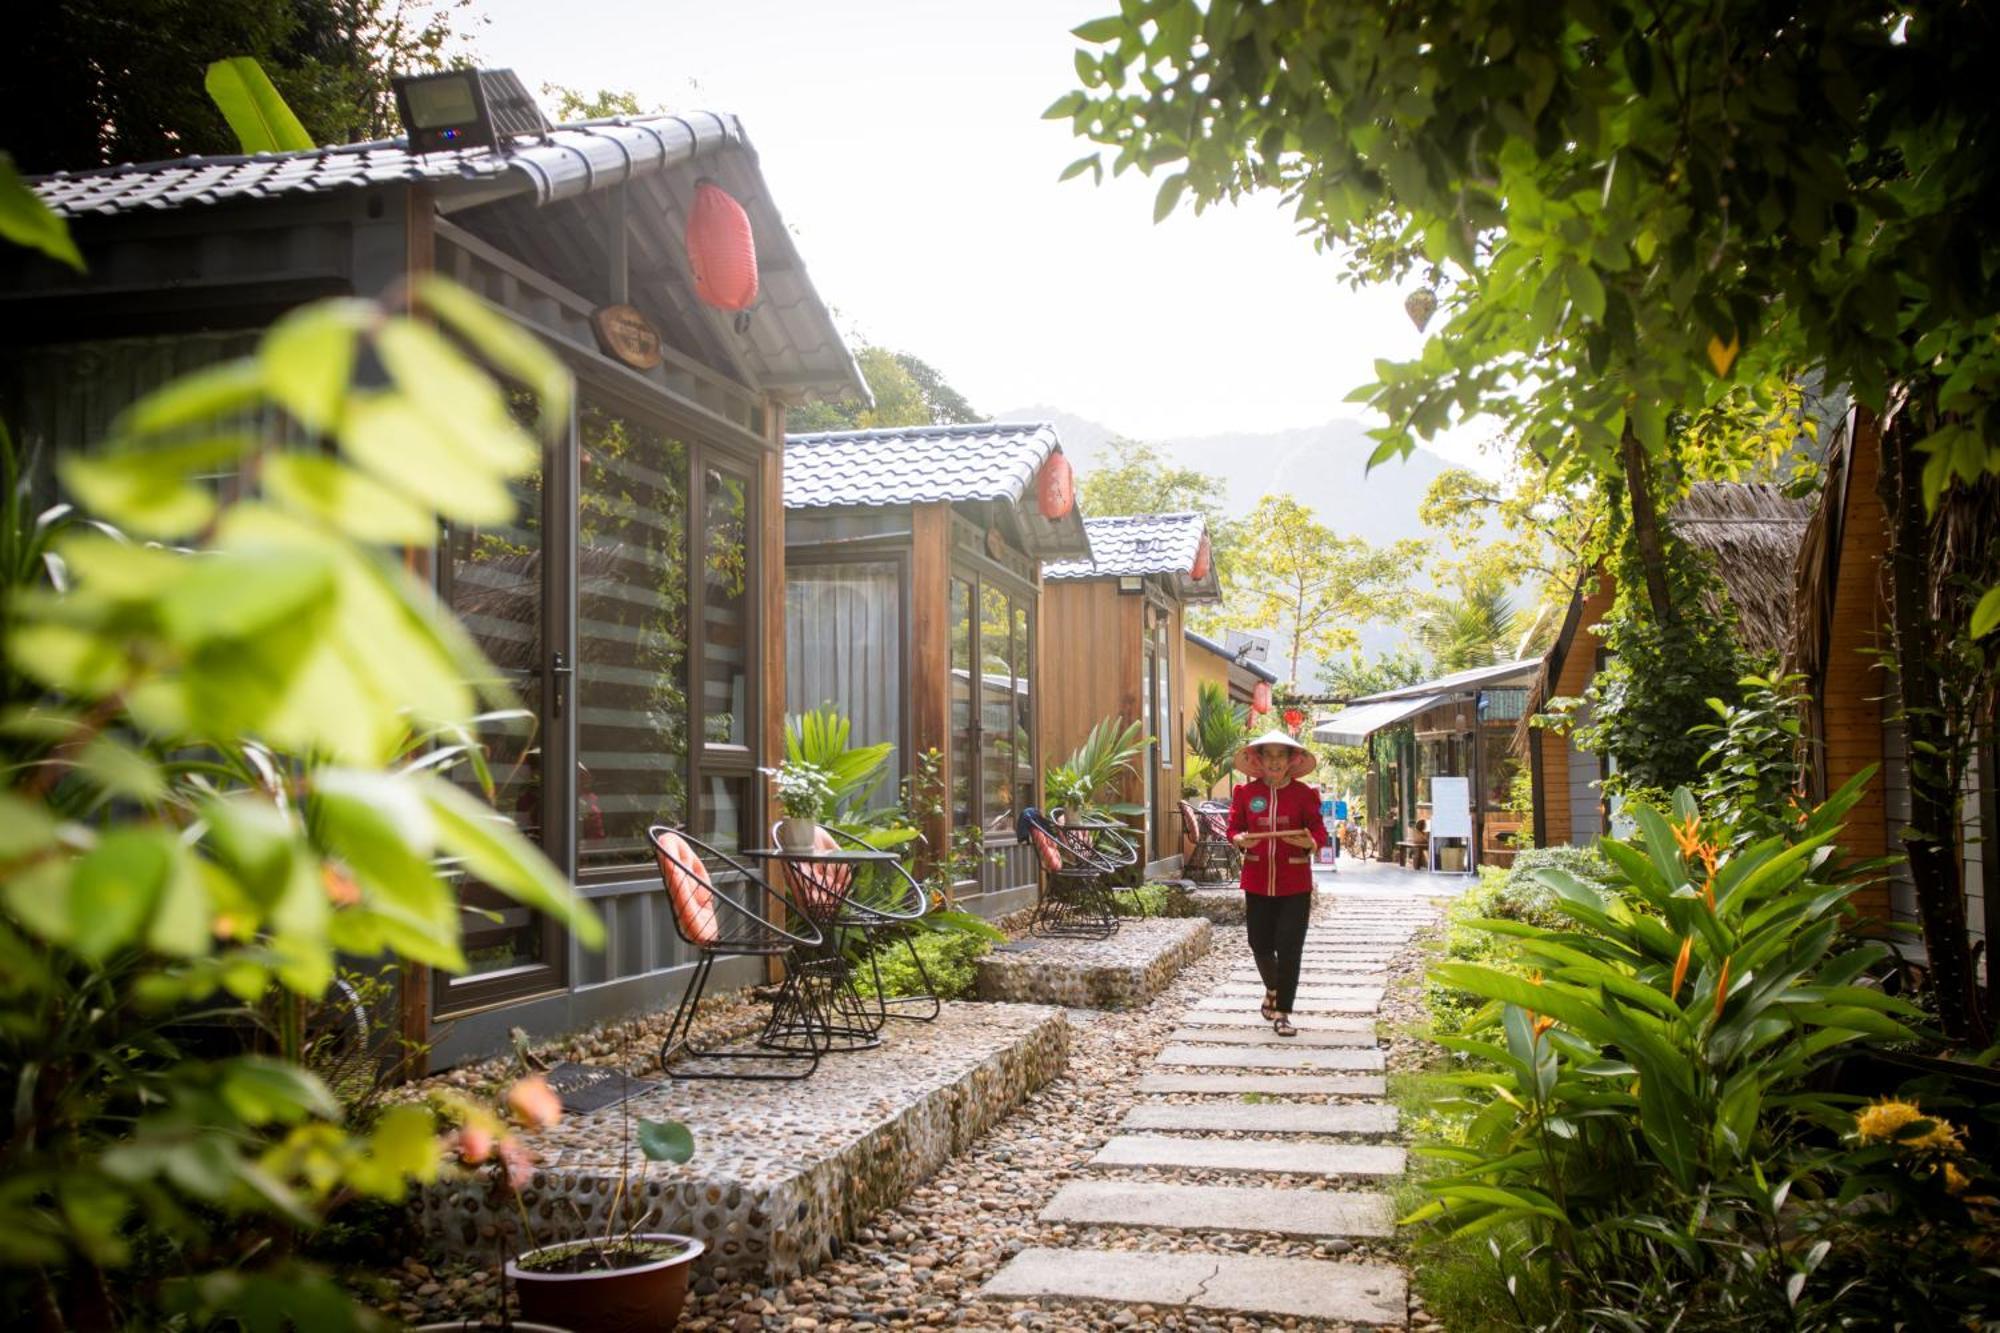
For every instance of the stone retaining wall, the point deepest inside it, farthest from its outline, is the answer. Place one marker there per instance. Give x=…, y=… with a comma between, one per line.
x=1221, y=904
x=1122, y=972
x=781, y=1171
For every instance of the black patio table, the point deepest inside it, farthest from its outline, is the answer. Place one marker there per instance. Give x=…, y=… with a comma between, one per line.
x=839, y=1018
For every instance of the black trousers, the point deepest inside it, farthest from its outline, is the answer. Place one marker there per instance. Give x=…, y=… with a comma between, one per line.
x=1277, y=929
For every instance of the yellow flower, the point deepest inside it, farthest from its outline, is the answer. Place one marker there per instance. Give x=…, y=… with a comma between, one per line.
x=1955, y=1180
x=1885, y=1121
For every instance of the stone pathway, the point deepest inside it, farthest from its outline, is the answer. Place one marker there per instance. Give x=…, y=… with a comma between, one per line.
x=1237, y=1130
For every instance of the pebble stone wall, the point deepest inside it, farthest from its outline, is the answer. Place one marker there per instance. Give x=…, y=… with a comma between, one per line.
x=1122, y=972
x=782, y=1172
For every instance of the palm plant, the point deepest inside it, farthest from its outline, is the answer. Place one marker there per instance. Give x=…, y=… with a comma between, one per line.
x=1097, y=768
x=1216, y=734
x=1478, y=628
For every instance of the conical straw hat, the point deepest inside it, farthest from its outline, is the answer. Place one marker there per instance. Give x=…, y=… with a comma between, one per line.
x=1303, y=762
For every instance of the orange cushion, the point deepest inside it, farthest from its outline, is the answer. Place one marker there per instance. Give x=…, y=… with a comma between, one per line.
x=688, y=887
x=1052, y=856
x=821, y=886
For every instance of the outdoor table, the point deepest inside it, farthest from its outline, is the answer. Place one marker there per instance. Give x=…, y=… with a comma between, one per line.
x=836, y=1017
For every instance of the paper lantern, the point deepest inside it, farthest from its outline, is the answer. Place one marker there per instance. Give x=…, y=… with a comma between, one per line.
x=721, y=252
x=1202, y=558
x=1260, y=698
x=1056, y=487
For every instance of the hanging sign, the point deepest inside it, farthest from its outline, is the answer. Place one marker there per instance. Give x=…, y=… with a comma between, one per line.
x=625, y=334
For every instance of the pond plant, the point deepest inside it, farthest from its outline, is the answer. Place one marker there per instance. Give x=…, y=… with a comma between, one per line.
x=205, y=800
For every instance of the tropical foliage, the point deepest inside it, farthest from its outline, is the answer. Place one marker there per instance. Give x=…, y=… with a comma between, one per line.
x=1214, y=736
x=1477, y=627
x=1086, y=782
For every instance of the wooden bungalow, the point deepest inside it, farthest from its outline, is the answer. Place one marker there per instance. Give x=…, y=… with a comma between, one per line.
x=913, y=604
x=636, y=601
x=1752, y=532
x=1116, y=618
x=1837, y=633
x=1463, y=725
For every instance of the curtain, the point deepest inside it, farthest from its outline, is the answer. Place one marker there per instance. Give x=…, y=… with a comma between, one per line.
x=844, y=648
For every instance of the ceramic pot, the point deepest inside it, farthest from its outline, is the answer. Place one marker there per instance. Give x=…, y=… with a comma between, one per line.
x=797, y=835
x=645, y=1298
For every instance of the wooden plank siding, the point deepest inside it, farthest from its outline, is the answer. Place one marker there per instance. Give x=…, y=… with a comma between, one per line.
x=1579, y=665
x=1851, y=698
x=1092, y=655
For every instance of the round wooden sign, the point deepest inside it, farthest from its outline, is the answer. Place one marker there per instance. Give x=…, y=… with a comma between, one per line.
x=625, y=334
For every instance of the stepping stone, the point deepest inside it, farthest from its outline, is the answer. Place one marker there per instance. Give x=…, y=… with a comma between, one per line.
x=1267, y=1085
x=1255, y=990
x=1261, y=1036
x=1235, y=1018
x=1269, y=1156
x=1258, y=1057
x=1265, y=1118
x=1316, y=977
x=1143, y=1203
x=1254, y=1284
x=1327, y=999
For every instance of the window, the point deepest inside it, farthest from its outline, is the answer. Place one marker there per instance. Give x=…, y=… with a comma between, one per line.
x=844, y=647
x=728, y=759
x=992, y=729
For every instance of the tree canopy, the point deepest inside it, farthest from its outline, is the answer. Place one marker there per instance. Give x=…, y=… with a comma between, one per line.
x=907, y=392
x=1135, y=477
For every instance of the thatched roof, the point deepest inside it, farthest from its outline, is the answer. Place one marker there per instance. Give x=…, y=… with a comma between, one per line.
x=1752, y=532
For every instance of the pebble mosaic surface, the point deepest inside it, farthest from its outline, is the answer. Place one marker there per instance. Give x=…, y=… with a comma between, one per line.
x=1122, y=972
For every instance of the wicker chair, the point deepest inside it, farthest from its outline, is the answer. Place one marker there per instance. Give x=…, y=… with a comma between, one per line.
x=1075, y=901
x=826, y=890
x=718, y=925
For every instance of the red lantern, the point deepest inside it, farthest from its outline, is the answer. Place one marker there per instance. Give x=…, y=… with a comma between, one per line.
x=1260, y=698
x=1293, y=717
x=721, y=252
x=1202, y=559
x=1057, y=487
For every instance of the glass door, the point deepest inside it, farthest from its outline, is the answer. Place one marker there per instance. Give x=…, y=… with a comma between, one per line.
x=991, y=693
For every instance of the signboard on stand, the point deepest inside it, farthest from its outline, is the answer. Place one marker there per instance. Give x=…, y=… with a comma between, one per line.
x=1451, y=813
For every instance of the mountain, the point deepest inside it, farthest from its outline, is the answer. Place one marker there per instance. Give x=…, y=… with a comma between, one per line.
x=1324, y=467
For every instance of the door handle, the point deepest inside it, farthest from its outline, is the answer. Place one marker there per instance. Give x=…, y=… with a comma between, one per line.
x=562, y=671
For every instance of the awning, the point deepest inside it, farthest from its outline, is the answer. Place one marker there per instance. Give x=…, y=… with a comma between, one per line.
x=1352, y=726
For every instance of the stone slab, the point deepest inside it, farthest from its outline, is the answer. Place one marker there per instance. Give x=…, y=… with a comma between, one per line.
x=1146, y=1203
x=1241, y=1017
x=1264, y=1036
x=1255, y=990
x=1320, y=976
x=1265, y=1118
x=1265, y=1156
x=1252, y=1284
x=784, y=1171
x=1259, y=1057
x=1266, y=1085
x=1122, y=972
x=1325, y=999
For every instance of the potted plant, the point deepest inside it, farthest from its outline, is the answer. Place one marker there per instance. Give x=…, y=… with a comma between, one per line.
x=618, y=1277
x=805, y=791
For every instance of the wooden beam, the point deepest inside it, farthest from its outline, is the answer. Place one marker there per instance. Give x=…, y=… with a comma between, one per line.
x=929, y=673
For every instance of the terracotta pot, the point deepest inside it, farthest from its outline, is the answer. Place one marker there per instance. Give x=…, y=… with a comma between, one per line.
x=480, y=1326
x=646, y=1298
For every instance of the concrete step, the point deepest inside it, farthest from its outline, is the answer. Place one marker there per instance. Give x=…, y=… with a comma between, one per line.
x=1234, y=1018
x=1264, y=1118
x=1260, y=1057
x=1267, y=1085
x=1264, y=1036
x=1264, y=1156
x=1318, y=976
x=1252, y=1284
x=1145, y=1203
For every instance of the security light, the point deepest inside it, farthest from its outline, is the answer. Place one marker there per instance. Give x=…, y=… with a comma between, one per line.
x=444, y=111
x=1131, y=583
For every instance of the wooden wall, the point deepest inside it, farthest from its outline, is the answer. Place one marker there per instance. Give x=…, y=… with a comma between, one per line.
x=1091, y=661
x=1579, y=664
x=1851, y=694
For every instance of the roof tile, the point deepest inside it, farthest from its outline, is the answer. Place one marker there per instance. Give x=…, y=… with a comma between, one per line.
x=916, y=464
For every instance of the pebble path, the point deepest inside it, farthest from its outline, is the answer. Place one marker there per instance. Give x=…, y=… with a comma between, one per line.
x=1237, y=1131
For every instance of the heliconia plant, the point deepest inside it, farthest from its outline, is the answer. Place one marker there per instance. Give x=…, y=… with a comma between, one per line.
x=1635, y=1098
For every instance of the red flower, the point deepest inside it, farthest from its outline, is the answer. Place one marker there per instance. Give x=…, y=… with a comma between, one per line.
x=1293, y=717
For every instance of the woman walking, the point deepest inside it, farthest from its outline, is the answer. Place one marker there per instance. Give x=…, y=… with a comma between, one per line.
x=1274, y=820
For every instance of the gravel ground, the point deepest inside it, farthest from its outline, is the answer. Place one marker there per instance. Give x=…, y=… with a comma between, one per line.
x=920, y=1264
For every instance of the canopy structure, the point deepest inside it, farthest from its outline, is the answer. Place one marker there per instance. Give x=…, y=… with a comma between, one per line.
x=1354, y=725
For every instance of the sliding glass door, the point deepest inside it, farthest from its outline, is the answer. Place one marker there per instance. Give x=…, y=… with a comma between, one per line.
x=991, y=694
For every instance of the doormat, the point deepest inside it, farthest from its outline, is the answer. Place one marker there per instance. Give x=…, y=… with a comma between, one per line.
x=587, y=1088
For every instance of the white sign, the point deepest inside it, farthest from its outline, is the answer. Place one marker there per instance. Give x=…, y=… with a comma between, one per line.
x=1451, y=808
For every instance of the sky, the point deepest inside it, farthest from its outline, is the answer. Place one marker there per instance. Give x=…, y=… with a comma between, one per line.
x=904, y=145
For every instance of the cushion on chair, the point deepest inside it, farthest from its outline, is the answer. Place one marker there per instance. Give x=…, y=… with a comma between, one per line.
x=1052, y=856
x=688, y=887
x=823, y=886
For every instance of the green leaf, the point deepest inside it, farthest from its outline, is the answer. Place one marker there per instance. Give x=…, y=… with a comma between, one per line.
x=517, y=353
x=347, y=500
x=1107, y=29
x=248, y=100
x=495, y=852
x=386, y=434
x=665, y=1141
x=26, y=827
x=307, y=359
x=1987, y=614
x=154, y=492
x=115, y=887
x=27, y=221
x=194, y=400
x=462, y=402
x=263, y=1091
x=1169, y=195
x=117, y=769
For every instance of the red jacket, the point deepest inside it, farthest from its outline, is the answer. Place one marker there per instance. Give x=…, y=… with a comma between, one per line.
x=1271, y=867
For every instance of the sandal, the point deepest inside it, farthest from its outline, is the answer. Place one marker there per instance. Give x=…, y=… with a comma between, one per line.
x=1270, y=1010
x=1283, y=1026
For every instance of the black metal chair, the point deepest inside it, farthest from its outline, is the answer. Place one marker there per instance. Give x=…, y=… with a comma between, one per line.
x=1075, y=901
x=719, y=925
x=1212, y=858
x=1114, y=844
x=846, y=905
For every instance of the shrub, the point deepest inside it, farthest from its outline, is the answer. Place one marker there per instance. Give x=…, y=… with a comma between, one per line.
x=1155, y=899
x=1513, y=894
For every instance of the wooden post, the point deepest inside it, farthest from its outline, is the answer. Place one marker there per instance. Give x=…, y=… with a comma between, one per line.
x=929, y=666
x=771, y=559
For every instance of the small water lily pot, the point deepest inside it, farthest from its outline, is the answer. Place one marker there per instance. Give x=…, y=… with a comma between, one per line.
x=645, y=1296
x=796, y=835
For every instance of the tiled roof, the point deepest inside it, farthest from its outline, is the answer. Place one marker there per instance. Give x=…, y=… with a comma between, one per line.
x=1135, y=544
x=901, y=465
x=574, y=159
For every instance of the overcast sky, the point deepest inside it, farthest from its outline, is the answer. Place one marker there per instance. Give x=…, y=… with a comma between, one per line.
x=903, y=143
